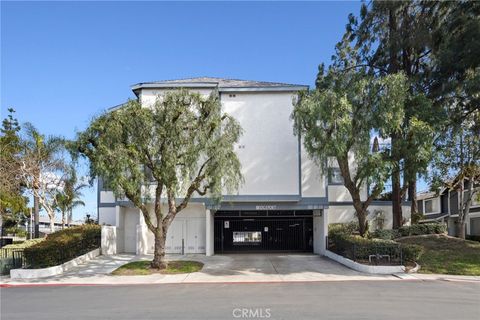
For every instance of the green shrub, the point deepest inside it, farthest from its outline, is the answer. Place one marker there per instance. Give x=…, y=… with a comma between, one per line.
x=385, y=234
x=342, y=228
x=6, y=265
x=23, y=244
x=424, y=228
x=411, y=252
x=62, y=246
x=18, y=232
x=358, y=248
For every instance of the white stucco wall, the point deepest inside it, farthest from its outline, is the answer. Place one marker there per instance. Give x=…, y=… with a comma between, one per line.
x=107, y=197
x=313, y=181
x=107, y=216
x=268, y=149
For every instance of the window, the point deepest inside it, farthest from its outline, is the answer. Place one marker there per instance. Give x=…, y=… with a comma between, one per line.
x=334, y=176
x=247, y=237
x=428, y=206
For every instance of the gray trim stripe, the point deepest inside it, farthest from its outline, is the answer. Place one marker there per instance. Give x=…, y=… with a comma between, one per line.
x=261, y=198
x=374, y=203
x=215, y=85
x=107, y=205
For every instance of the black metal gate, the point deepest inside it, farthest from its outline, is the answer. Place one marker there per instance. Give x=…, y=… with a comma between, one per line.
x=263, y=234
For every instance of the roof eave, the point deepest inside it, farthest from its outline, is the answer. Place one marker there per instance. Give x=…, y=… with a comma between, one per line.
x=139, y=86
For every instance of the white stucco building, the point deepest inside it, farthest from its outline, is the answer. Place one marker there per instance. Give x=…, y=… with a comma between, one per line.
x=285, y=203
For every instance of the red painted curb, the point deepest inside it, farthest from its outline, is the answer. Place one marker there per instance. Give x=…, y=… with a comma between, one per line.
x=185, y=283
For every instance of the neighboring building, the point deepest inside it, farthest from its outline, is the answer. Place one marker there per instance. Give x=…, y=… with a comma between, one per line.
x=44, y=224
x=444, y=207
x=285, y=203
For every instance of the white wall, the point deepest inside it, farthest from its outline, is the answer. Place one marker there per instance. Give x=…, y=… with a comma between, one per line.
x=268, y=150
x=313, y=181
x=107, y=197
x=107, y=216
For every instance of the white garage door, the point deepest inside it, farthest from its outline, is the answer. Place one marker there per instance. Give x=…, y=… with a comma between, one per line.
x=190, y=230
x=175, y=236
x=195, y=235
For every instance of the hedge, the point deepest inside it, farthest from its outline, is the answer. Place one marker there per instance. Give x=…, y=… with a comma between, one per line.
x=424, y=228
x=358, y=248
x=62, y=246
x=343, y=228
x=413, y=230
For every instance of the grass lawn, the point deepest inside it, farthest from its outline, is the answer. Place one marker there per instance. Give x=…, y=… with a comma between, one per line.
x=447, y=255
x=143, y=268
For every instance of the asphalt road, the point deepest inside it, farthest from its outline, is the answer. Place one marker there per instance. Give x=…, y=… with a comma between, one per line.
x=321, y=300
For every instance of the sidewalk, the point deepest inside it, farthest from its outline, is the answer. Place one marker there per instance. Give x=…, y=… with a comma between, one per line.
x=441, y=277
x=238, y=268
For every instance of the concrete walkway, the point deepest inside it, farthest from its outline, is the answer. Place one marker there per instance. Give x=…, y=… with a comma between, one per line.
x=235, y=268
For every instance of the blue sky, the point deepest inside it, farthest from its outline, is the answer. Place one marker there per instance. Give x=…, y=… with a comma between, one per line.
x=64, y=62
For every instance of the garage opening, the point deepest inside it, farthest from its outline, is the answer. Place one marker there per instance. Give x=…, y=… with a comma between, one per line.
x=263, y=231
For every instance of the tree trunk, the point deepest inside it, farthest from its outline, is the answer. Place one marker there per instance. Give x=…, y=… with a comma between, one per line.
x=36, y=217
x=362, y=222
x=63, y=220
x=396, y=200
x=412, y=196
x=461, y=229
x=52, y=225
x=159, y=253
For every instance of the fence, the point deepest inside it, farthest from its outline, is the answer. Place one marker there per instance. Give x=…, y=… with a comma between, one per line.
x=14, y=258
x=11, y=258
x=372, y=253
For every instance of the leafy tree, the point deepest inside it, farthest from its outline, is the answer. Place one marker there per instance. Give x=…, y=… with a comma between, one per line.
x=179, y=146
x=41, y=170
x=392, y=37
x=457, y=166
x=455, y=77
x=337, y=120
x=69, y=197
x=12, y=202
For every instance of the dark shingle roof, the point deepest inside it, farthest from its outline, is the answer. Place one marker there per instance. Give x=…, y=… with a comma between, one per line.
x=220, y=83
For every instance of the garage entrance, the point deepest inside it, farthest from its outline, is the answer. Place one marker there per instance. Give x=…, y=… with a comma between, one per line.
x=263, y=231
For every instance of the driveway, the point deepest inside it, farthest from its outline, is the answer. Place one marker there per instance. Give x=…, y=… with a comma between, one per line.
x=273, y=267
x=232, y=268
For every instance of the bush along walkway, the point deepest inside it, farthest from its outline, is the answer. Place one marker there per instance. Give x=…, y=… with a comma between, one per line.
x=62, y=246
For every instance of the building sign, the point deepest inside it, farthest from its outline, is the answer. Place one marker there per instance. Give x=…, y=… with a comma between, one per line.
x=270, y=207
x=226, y=224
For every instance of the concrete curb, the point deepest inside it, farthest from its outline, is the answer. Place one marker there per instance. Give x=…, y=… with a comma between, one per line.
x=52, y=271
x=414, y=269
x=364, y=268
